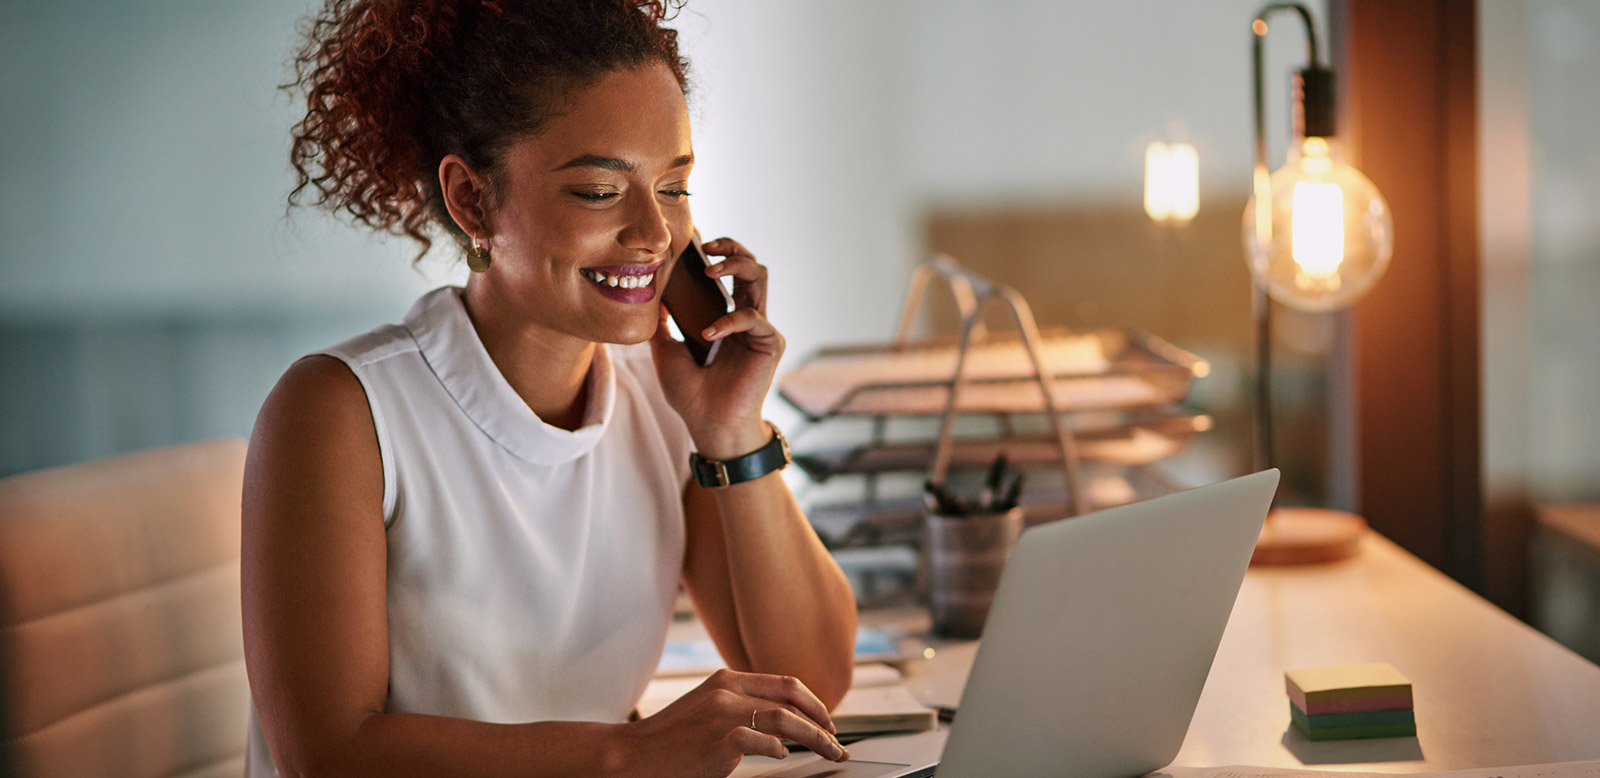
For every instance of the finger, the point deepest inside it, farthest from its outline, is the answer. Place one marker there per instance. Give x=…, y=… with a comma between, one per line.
x=746, y=320
x=749, y=280
x=749, y=741
x=741, y=268
x=786, y=690
x=787, y=723
x=726, y=247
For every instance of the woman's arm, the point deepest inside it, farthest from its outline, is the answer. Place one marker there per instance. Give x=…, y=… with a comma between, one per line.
x=316, y=630
x=771, y=596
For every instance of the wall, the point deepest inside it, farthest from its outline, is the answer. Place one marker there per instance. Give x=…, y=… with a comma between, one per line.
x=152, y=288
x=1563, y=103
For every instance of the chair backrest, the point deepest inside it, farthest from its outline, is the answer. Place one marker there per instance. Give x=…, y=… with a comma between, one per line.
x=120, y=643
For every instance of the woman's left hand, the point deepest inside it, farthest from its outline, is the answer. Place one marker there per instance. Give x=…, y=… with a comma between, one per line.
x=721, y=403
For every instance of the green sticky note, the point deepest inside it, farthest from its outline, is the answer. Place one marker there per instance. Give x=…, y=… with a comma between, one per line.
x=1350, y=733
x=1313, y=725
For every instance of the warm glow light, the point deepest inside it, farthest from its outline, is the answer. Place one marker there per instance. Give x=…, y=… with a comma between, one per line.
x=1185, y=182
x=1156, y=204
x=1317, y=232
x=1171, y=182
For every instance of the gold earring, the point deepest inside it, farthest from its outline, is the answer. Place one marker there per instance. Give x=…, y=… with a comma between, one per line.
x=478, y=256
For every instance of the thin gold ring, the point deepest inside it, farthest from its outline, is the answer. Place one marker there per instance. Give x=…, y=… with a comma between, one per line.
x=753, y=718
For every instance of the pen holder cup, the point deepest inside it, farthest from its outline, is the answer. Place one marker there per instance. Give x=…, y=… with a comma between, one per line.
x=964, y=556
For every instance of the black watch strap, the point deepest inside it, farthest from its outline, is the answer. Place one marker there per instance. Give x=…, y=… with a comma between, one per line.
x=713, y=474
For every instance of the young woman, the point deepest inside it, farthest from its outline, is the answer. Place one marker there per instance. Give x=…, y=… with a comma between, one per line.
x=463, y=533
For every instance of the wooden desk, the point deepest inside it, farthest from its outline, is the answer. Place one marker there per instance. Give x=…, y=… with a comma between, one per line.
x=1489, y=690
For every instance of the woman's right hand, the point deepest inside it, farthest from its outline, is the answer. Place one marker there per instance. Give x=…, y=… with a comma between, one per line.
x=707, y=731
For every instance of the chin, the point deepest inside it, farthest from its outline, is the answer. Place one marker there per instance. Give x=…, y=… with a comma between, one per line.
x=629, y=335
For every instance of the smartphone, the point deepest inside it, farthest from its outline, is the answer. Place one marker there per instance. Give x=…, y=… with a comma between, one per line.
x=695, y=300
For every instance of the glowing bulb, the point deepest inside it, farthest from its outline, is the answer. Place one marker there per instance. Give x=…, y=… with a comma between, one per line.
x=1185, y=186
x=1317, y=232
x=1171, y=182
x=1157, y=204
x=1323, y=236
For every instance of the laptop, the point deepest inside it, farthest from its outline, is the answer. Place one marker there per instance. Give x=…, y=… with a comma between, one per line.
x=1095, y=651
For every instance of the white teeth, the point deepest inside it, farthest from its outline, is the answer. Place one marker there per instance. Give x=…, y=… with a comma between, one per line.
x=623, y=282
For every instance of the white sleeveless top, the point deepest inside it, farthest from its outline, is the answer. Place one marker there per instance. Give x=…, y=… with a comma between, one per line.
x=531, y=569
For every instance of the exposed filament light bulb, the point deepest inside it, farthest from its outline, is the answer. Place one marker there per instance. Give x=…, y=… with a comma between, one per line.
x=1171, y=182
x=1325, y=235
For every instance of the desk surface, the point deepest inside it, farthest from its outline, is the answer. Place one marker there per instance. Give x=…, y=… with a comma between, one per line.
x=1489, y=691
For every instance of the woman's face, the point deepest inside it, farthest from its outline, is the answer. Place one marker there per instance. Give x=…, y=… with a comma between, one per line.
x=594, y=211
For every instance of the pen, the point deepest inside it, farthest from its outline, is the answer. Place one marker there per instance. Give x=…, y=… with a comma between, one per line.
x=1013, y=493
x=991, y=483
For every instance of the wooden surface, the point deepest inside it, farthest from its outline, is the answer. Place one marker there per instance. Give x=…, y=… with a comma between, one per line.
x=1302, y=536
x=1489, y=690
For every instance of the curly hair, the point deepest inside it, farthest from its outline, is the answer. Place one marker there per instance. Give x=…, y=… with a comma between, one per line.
x=393, y=86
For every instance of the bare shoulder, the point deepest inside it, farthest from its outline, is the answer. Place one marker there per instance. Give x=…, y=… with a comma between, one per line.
x=315, y=384
x=315, y=436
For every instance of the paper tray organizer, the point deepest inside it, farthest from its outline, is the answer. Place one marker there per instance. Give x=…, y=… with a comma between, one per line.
x=1106, y=368
x=1137, y=437
x=1108, y=396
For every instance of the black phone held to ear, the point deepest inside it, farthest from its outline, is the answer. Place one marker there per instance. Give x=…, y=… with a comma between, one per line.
x=695, y=301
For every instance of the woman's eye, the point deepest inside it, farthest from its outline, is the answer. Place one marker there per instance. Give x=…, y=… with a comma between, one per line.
x=595, y=197
x=676, y=194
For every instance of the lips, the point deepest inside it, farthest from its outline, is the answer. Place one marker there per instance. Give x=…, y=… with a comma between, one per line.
x=624, y=283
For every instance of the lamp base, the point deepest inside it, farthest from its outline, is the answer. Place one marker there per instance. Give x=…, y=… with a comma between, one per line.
x=1300, y=536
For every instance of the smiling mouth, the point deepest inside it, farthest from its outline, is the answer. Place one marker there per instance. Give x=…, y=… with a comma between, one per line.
x=619, y=280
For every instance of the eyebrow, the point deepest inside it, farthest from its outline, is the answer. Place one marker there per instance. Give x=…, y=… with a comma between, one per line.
x=614, y=163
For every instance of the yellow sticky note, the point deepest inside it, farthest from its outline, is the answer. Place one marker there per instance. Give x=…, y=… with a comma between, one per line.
x=1346, y=682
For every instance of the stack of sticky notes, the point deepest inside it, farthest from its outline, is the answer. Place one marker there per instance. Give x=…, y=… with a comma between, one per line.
x=1351, y=701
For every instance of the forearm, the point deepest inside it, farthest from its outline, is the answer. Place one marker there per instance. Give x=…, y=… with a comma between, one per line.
x=795, y=610
x=397, y=745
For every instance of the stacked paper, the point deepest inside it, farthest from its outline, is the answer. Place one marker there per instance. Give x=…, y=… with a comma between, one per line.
x=1351, y=701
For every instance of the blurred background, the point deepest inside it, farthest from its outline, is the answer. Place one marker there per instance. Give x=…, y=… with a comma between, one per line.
x=152, y=287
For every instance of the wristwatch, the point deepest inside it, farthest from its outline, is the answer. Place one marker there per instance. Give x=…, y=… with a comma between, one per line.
x=713, y=474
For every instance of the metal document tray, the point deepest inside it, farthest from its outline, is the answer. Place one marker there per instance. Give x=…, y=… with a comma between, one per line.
x=1135, y=437
x=1101, y=369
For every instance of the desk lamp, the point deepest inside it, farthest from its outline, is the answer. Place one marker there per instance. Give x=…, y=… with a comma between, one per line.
x=1317, y=236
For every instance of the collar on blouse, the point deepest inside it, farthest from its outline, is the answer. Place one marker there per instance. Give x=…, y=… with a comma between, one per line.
x=450, y=346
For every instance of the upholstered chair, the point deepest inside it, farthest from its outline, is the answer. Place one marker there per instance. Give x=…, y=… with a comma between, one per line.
x=120, y=644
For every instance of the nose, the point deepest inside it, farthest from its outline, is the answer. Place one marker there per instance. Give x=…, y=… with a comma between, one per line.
x=647, y=229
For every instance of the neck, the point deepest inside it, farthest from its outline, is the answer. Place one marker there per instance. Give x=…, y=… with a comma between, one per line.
x=548, y=370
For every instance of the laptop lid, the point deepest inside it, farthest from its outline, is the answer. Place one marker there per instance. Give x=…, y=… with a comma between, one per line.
x=1101, y=635
x=1095, y=651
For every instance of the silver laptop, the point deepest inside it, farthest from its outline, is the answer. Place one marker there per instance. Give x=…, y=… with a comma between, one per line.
x=1096, y=649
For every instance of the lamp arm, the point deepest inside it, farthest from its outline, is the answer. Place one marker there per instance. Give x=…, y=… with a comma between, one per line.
x=1261, y=180
x=1305, y=18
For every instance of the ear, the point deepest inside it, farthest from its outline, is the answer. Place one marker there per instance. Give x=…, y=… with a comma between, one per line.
x=464, y=195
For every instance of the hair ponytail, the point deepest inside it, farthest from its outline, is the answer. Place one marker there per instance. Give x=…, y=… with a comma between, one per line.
x=392, y=86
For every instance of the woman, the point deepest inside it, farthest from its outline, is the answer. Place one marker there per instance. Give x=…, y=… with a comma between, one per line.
x=463, y=534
